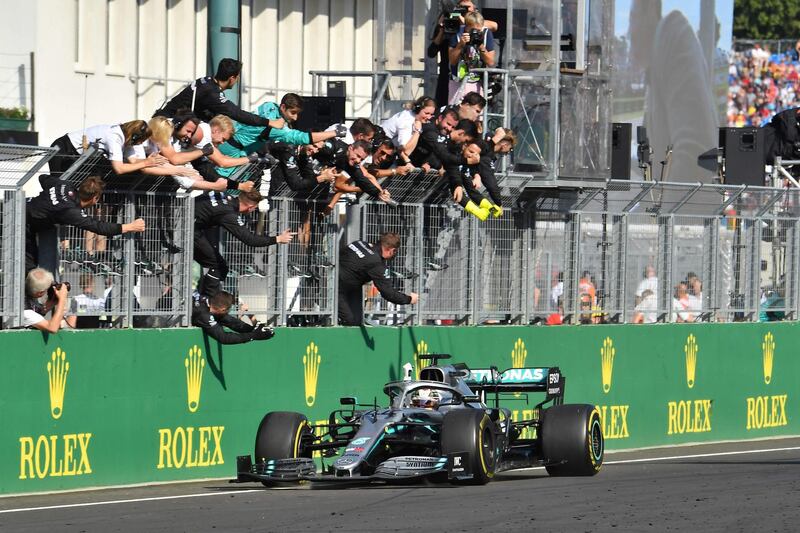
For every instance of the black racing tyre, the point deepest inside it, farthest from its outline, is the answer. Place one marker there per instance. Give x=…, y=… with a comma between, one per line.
x=572, y=440
x=280, y=436
x=471, y=431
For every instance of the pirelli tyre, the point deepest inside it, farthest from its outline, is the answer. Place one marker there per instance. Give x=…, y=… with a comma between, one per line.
x=572, y=440
x=280, y=436
x=471, y=431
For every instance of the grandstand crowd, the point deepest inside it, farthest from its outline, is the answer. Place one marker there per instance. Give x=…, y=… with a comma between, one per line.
x=199, y=140
x=761, y=84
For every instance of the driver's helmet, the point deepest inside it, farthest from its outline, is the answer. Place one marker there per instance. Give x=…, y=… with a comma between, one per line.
x=426, y=398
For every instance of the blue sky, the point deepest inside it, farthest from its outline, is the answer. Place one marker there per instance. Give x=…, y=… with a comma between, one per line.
x=690, y=8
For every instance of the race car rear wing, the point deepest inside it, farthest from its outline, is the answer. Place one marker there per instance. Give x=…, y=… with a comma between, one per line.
x=529, y=379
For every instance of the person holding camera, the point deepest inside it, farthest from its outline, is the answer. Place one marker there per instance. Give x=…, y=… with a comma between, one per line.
x=211, y=315
x=39, y=284
x=472, y=47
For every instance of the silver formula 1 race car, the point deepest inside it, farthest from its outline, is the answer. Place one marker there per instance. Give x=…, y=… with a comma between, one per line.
x=448, y=425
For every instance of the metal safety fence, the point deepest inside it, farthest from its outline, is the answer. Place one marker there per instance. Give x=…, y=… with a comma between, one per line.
x=626, y=252
x=18, y=164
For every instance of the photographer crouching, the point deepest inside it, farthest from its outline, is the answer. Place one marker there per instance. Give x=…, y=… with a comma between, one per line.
x=39, y=285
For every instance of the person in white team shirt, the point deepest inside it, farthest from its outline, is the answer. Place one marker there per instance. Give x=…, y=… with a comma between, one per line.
x=191, y=152
x=405, y=127
x=113, y=139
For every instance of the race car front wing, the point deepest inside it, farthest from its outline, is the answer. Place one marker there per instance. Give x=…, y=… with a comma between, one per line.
x=395, y=468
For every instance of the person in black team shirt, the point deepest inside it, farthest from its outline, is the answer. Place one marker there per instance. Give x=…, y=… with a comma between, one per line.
x=205, y=97
x=211, y=314
x=215, y=210
x=435, y=132
x=497, y=146
x=348, y=158
x=60, y=203
x=359, y=263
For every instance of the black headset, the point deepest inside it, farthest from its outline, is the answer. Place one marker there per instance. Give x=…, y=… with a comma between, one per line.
x=421, y=103
x=140, y=135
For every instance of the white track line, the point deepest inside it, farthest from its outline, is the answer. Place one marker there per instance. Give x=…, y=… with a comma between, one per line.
x=229, y=492
x=135, y=500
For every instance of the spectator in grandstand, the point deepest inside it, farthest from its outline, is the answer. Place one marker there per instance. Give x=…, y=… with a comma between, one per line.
x=646, y=311
x=681, y=306
x=60, y=203
x=472, y=47
x=362, y=129
x=649, y=283
x=39, y=286
x=111, y=139
x=86, y=307
x=211, y=314
x=760, y=89
x=586, y=286
x=206, y=99
x=249, y=139
x=404, y=128
x=214, y=210
x=361, y=262
x=695, y=289
x=557, y=289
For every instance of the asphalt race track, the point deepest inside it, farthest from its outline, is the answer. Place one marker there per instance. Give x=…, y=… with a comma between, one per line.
x=724, y=487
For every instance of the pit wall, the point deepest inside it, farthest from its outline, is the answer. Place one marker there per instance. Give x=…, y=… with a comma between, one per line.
x=113, y=407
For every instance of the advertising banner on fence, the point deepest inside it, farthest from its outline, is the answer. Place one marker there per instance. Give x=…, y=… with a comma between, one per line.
x=112, y=407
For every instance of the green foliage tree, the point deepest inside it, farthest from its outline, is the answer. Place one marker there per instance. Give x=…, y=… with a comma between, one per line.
x=766, y=19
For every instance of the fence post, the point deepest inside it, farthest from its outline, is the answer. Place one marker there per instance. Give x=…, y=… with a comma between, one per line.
x=665, y=254
x=188, y=250
x=571, y=270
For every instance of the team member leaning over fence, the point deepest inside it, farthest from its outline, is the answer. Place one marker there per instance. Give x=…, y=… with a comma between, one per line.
x=39, y=286
x=498, y=145
x=211, y=314
x=113, y=139
x=362, y=129
x=359, y=263
x=60, y=203
x=347, y=160
x=216, y=210
x=206, y=99
x=249, y=139
x=404, y=128
x=297, y=168
x=434, y=132
x=466, y=181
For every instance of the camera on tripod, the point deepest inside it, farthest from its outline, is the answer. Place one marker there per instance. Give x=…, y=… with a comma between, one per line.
x=451, y=13
x=51, y=292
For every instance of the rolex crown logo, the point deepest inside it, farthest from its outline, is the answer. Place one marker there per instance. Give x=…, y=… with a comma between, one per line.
x=690, y=349
x=768, y=353
x=422, y=349
x=519, y=354
x=311, y=361
x=607, y=352
x=57, y=369
x=194, y=364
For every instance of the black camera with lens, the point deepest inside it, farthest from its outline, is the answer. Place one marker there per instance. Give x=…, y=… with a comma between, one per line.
x=51, y=292
x=475, y=37
x=451, y=13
